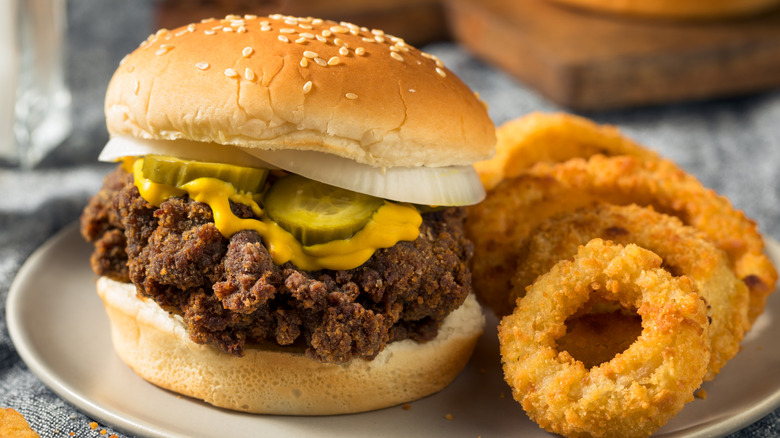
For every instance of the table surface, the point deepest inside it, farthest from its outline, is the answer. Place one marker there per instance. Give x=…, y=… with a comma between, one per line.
x=732, y=145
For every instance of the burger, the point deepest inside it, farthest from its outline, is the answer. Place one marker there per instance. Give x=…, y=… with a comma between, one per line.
x=283, y=232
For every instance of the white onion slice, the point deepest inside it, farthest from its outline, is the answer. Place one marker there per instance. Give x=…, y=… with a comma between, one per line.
x=446, y=186
x=120, y=147
x=440, y=186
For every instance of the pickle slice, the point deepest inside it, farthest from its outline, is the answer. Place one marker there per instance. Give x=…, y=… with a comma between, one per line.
x=315, y=213
x=177, y=172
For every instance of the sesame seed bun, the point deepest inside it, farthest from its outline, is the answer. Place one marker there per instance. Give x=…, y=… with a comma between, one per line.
x=308, y=84
x=677, y=9
x=276, y=381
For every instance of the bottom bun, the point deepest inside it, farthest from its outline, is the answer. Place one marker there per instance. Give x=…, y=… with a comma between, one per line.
x=156, y=346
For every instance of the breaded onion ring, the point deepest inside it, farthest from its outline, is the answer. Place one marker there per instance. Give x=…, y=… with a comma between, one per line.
x=515, y=207
x=637, y=391
x=555, y=137
x=683, y=249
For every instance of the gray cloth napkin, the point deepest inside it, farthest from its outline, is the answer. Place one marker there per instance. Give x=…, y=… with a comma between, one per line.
x=731, y=145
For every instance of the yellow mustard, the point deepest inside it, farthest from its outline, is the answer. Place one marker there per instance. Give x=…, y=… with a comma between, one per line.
x=390, y=224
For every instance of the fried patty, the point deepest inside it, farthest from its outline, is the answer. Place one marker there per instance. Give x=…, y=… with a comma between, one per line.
x=231, y=294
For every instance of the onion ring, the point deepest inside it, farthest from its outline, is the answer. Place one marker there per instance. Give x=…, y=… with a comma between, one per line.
x=515, y=207
x=637, y=391
x=684, y=251
x=554, y=137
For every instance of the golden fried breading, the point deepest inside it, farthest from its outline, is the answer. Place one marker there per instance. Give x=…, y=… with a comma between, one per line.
x=684, y=250
x=515, y=207
x=541, y=137
x=638, y=390
x=13, y=424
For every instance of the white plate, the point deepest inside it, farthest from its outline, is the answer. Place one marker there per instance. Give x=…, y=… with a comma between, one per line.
x=59, y=328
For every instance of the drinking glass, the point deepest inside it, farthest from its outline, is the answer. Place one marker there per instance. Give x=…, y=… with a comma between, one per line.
x=34, y=98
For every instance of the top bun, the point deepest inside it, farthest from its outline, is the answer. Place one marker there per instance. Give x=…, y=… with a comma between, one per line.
x=282, y=82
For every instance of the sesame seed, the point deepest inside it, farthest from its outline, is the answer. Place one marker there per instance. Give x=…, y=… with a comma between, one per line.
x=236, y=23
x=163, y=50
x=291, y=22
x=249, y=74
x=426, y=55
x=218, y=27
x=316, y=21
x=321, y=39
x=354, y=32
x=241, y=29
x=265, y=23
x=441, y=72
x=123, y=60
x=304, y=62
x=265, y=28
x=247, y=51
x=310, y=54
x=396, y=56
x=368, y=40
x=287, y=30
x=232, y=17
x=351, y=96
x=307, y=87
x=304, y=26
x=343, y=51
x=301, y=40
x=181, y=32
x=202, y=65
x=321, y=61
x=275, y=16
x=250, y=16
x=136, y=87
x=283, y=39
x=334, y=61
x=339, y=29
x=360, y=51
x=326, y=33
x=338, y=42
x=379, y=39
x=191, y=28
x=209, y=32
x=231, y=73
x=377, y=31
x=308, y=35
x=227, y=29
x=412, y=90
x=394, y=49
x=206, y=20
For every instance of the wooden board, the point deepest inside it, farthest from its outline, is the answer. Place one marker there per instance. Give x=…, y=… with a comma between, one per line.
x=590, y=61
